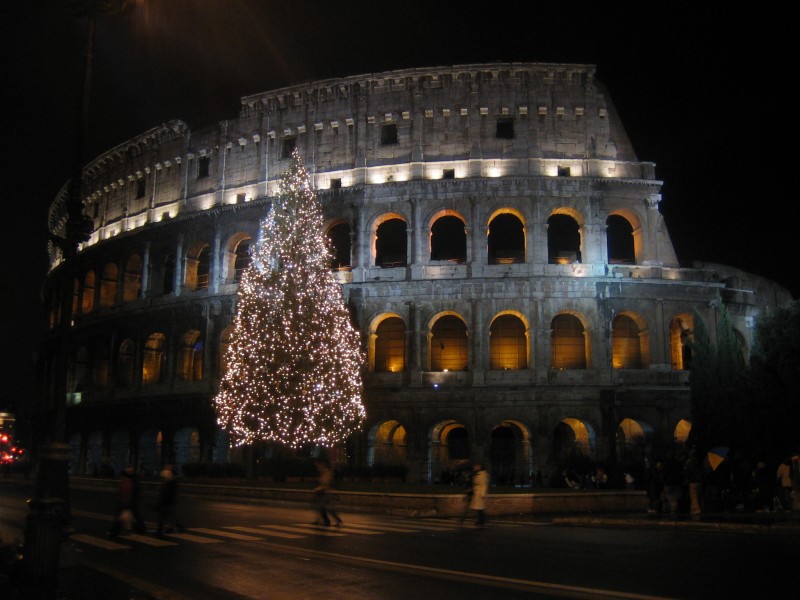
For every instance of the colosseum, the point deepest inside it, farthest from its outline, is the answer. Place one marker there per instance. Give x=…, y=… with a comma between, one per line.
x=499, y=244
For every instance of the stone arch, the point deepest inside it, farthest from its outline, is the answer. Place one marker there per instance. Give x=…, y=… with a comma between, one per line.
x=448, y=236
x=624, y=237
x=630, y=341
x=237, y=256
x=506, y=239
x=186, y=443
x=150, y=451
x=390, y=241
x=564, y=236
x=198, y=266
x=120, y=450
x=387, y=443
x=510, y=458
x=190, y=366
x=509, y=341
x=449, y=448
x=94, y=452
x=108, y=285
x=340, y=236
x=573, y=441
x=132, y=278
x=448, y=343
x=126, y=363
x=154, y=358
x=387, y=343
x=681, y=337
x=87, y=292
x=569, y=341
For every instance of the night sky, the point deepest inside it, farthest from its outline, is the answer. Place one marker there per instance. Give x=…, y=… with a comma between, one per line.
x=705, y=95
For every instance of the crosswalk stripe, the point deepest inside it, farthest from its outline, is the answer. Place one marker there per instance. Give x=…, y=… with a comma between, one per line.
x=150, y=541
x=194, y=538
x=225, y=534
x=317, y=530
x=98, y=541
x=304, y=529
x=288, y=536
x=383, y=528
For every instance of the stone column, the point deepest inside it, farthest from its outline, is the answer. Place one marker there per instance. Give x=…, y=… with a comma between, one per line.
x=146, y=267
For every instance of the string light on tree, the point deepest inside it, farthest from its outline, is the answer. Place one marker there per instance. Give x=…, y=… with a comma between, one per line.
x=294, y=364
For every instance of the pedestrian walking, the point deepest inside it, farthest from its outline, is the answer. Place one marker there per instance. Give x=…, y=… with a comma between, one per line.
x=166, y=504
x=480, y=488
x=128, y=517
x=694, y=476
x=784, y=480
x=322, y=498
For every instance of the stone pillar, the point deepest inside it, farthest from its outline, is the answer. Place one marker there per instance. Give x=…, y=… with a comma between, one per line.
x=214, y=264
x=177, y=285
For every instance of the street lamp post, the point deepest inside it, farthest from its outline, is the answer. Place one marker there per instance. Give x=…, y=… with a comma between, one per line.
x=49, y=518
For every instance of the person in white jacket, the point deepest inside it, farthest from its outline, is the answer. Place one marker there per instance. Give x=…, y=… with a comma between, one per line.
x=480, y=488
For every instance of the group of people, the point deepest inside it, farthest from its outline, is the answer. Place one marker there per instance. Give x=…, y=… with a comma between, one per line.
x=694, y=485
x=129, y=518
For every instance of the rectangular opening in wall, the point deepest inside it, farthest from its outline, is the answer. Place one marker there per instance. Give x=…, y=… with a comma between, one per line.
x=202, y=167
x=505, y=129
x=140, y=183
x=563, y=171
x=449, y=174
x=240, y=198
x=289, y=144
x=336, y=184
x=388, y=134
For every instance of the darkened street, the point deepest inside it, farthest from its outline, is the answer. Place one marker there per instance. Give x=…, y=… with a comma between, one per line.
x=250, y=551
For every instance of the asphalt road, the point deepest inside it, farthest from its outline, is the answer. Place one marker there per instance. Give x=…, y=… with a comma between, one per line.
x=238, y=551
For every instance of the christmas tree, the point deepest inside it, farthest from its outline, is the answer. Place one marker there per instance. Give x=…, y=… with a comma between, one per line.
x=294, y=364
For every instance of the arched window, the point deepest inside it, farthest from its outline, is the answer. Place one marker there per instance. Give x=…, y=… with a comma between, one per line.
x=87, y=295
x=108, y=285
x=191, y=359
x=126, y=359
x=390, y=345
x=681, y=336
x=391, y=243
x=625, y=343
x=448, y=239
x=153, y=359
x=340, y=241
x=619, y=239
x=203, y=268
x=508, y=343
x=242, y=259
x=449, y=348
x=100, y=352
x=563, y=240
x=132, y=280
x=457, y=441
x=506, y=242
x=568, y=342
x=168, y=279
x=572, y=439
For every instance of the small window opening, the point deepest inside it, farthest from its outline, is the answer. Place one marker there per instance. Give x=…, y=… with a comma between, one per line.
x=449, y=174
x=289, y=144
x=388, y=134
x=240, y=198
x=202, y=167
x=563, y=171
x=505, y=129
x=140, y=183
x=336, y=184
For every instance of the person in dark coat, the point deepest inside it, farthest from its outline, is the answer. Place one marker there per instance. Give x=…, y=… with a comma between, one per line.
x=165, y=505
x=322, y=495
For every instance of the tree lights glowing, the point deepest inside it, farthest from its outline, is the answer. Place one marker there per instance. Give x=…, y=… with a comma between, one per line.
x=294, y=362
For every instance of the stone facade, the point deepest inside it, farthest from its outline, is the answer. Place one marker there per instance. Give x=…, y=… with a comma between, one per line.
x=498, y=240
